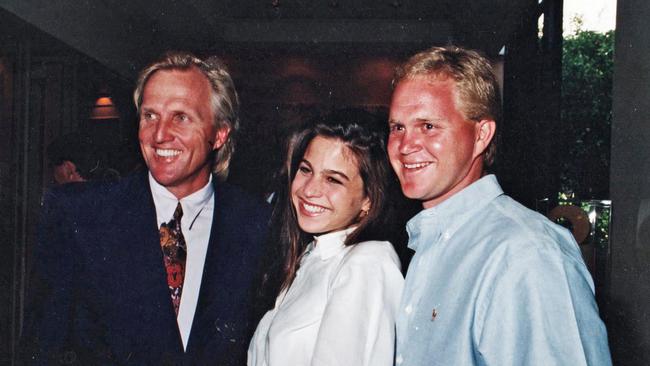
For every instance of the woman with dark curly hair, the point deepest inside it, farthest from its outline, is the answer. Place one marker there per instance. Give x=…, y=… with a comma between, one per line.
x=341, y=283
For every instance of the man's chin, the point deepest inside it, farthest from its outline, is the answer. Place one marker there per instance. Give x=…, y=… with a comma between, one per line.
x=163, y=178
x=411, y=190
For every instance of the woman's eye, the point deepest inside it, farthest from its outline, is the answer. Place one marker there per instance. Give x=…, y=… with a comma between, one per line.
x=333, y=180
x=428, y=126
x=304, y=169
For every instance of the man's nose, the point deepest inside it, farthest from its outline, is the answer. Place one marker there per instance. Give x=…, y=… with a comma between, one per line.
x=163, y=131
x=410, y=142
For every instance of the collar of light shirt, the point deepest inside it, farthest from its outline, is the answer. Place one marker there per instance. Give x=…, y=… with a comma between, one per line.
x=166, y=202
x=453, y=213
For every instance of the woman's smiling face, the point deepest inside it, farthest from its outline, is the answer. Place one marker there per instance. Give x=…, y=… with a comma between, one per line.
x=328, y=192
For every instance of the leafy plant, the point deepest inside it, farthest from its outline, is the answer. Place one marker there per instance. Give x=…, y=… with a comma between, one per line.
x=587, y=70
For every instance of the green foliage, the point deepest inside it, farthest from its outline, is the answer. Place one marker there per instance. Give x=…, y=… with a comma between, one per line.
x=587, y=69
x=602, y=214
x=586, y=115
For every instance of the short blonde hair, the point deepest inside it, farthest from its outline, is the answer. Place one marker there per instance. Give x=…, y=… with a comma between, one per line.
x=225, y=101
x=477, y=89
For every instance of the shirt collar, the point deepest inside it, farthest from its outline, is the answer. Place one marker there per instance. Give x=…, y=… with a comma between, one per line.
x=452, y=213
x=328, y=245
x=166, y=202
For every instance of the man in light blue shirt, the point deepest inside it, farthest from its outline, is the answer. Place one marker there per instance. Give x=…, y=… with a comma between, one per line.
x=491, y=282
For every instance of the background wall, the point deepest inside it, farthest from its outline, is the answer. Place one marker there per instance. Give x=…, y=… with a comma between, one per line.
x=627, y=311
x=46, y=89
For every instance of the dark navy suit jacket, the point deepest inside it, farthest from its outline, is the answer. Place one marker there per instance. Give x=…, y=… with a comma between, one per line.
x=99, y=290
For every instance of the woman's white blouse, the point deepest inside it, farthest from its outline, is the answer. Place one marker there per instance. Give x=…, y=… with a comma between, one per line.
x=340, y=309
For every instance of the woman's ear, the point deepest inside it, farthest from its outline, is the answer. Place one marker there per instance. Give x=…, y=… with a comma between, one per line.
x=365, y=207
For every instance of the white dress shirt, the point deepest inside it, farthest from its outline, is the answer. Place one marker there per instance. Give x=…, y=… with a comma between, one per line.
x=196, y=225
x=340, y=309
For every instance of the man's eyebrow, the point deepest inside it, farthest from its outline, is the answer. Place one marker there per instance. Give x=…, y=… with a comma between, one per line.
x=145, y=109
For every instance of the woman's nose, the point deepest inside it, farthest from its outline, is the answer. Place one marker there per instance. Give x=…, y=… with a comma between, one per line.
x=312, y=187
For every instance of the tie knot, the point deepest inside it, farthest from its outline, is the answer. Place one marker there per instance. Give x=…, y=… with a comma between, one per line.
x=178, y=213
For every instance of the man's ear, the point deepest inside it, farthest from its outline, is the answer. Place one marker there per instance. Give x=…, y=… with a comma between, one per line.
x=68, y=167
x=221, y=137
x=71, y=172
x=485, y=130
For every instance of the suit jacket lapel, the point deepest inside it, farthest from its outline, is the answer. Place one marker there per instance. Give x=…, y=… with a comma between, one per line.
x=145, y=257
x=222, y=318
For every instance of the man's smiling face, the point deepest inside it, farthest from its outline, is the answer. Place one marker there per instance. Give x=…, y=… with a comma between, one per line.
x=177, y=131
x=431, y=145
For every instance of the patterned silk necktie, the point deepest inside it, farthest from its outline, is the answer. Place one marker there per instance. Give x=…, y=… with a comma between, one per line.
x=174, y=255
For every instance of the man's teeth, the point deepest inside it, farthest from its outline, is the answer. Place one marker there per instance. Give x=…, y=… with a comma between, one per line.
x=416, y=165
x=312, y=208
x=167, y=152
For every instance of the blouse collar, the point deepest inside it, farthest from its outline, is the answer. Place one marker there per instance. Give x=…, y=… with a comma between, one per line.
x=328, y=245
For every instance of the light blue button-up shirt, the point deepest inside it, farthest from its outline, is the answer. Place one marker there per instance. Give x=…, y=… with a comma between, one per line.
x=494, y=283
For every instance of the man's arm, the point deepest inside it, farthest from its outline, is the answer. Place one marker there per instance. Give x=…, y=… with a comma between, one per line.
x=46, y=331
x=541, y=311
